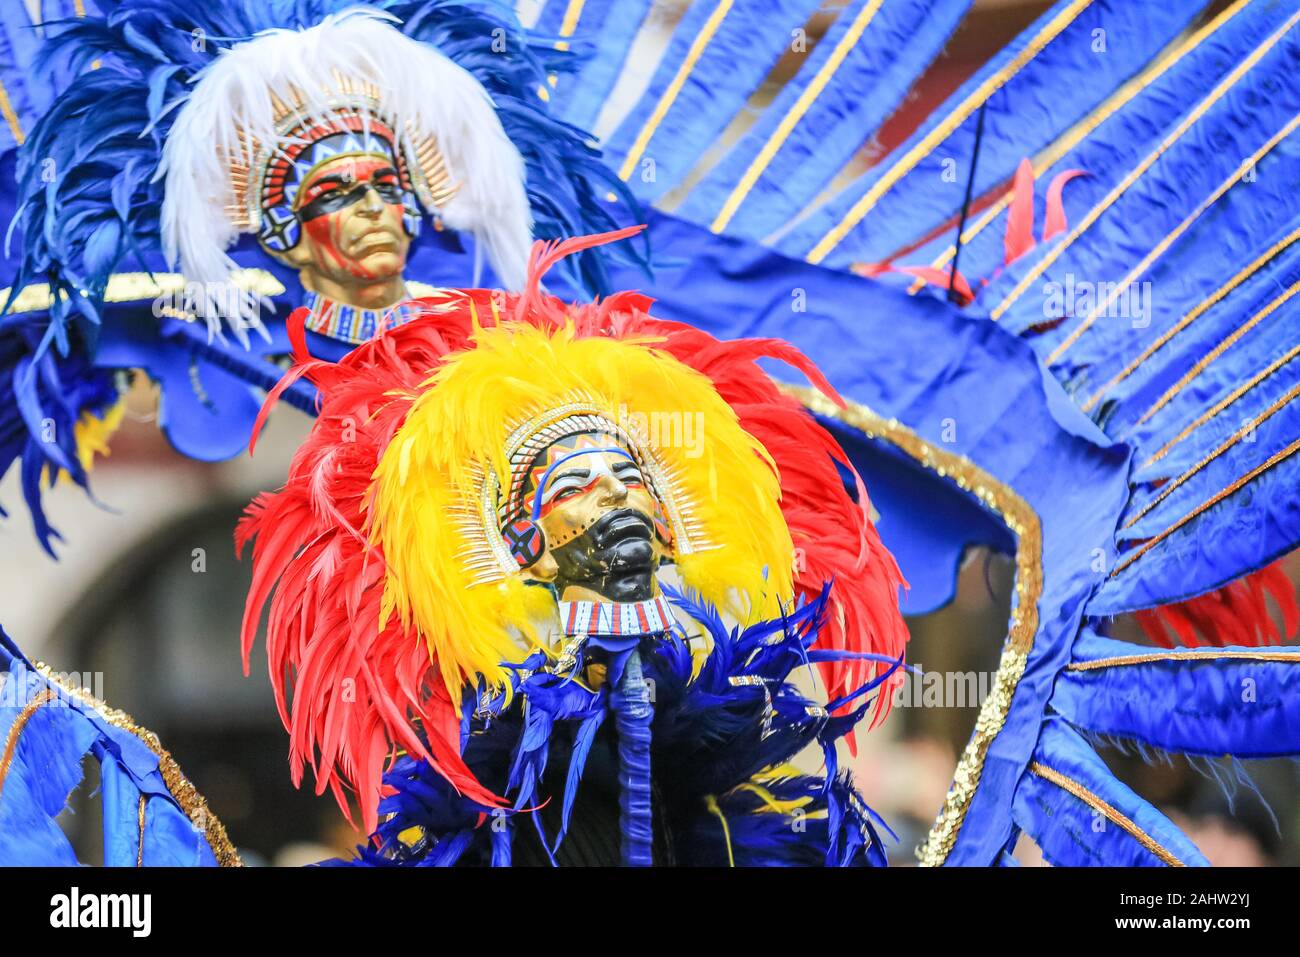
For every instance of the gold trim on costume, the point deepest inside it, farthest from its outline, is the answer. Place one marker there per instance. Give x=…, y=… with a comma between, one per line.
x=670, y=94
x=186, y=795
x=7, y=108
x=569, y=24
x=137, y=286
x=1208, y=503
x=1172, y=237
x=1223, y=403
x=1199, y=310
x=1085, y=127
x=1169, y=488
x=796, y=113
x=1021, y=519
x=1073, y=787
x=1196, y=654
x=1186, y=123
x=16, y=730
x=940, y=132
x=1203, y=363
x=139, y=848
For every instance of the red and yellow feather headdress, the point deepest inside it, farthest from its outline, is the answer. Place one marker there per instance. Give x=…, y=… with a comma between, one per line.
x=388, y=594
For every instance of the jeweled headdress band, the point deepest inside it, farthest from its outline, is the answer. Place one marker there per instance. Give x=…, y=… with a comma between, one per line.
x=265, y=177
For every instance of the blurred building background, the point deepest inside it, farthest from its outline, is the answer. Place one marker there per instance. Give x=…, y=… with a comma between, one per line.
x=148, y=594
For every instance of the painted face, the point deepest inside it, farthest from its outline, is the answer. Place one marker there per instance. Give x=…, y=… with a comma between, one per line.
x=603, y=526
x=352, y=230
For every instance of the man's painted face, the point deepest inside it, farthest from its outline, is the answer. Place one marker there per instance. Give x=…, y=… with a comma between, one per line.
x=604, y=528
x=352, y=229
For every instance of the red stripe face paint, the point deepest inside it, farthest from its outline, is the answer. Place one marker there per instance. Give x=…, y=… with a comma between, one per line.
x=353, y=238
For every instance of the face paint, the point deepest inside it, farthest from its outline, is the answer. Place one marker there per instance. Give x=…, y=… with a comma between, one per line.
x=336, y=189
x=581, y=478
x=352, y=217
x=596, y=516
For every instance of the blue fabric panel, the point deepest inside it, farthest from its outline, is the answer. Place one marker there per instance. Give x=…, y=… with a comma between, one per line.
x=899, y=41
x=29, y=90
x=925, y=522
x=1123, y=405
x=603, y=36
x=1260, y=520
x=752, y=36
x=1270, y=437
x=1070, y=832
x=1211, y=701
x=120, y=800
x=206, y=411
x=1239, y=123
x=47, y=768
x=1039, y=101
x=1186, y=454
x=1111, y=150
x=171, y=840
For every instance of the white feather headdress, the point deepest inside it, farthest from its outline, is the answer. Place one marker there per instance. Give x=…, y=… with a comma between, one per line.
x=465, y=167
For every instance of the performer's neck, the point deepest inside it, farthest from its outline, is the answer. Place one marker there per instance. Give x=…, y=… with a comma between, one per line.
x=379, y=294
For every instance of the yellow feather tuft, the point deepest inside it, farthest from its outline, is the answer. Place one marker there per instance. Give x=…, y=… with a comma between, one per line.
x=772, y=803
x=92, y=434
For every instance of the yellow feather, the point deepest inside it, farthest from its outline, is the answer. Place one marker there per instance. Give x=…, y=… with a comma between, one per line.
x=92, y=434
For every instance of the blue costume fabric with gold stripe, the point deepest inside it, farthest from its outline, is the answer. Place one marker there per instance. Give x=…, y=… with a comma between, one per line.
x=151, y=816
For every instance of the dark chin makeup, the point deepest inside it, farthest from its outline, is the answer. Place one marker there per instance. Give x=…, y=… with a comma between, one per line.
x=614, y=558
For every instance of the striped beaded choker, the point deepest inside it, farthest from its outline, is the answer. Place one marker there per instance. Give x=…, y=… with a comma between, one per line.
x=616, y=618
x=350, y=324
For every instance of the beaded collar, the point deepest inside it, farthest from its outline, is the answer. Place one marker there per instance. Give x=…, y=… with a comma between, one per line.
x=351, y=324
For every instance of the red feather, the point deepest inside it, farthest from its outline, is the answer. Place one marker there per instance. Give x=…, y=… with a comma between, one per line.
x=1054, y=218
x=1235, y=614
x=945, y=280
x=1019, y=237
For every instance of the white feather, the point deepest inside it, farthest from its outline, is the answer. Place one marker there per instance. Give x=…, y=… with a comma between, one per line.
x=231, y=103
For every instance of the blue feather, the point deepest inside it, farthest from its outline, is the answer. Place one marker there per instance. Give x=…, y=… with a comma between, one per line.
x=707, y=735
x=582, y=743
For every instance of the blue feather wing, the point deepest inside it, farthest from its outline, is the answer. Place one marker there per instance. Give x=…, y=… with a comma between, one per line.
x=843, y=91
x=601, y=32
x=29, y=85
x=851, y=67
x=1162, y=308
x=717, y=56
x=1039, y=85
